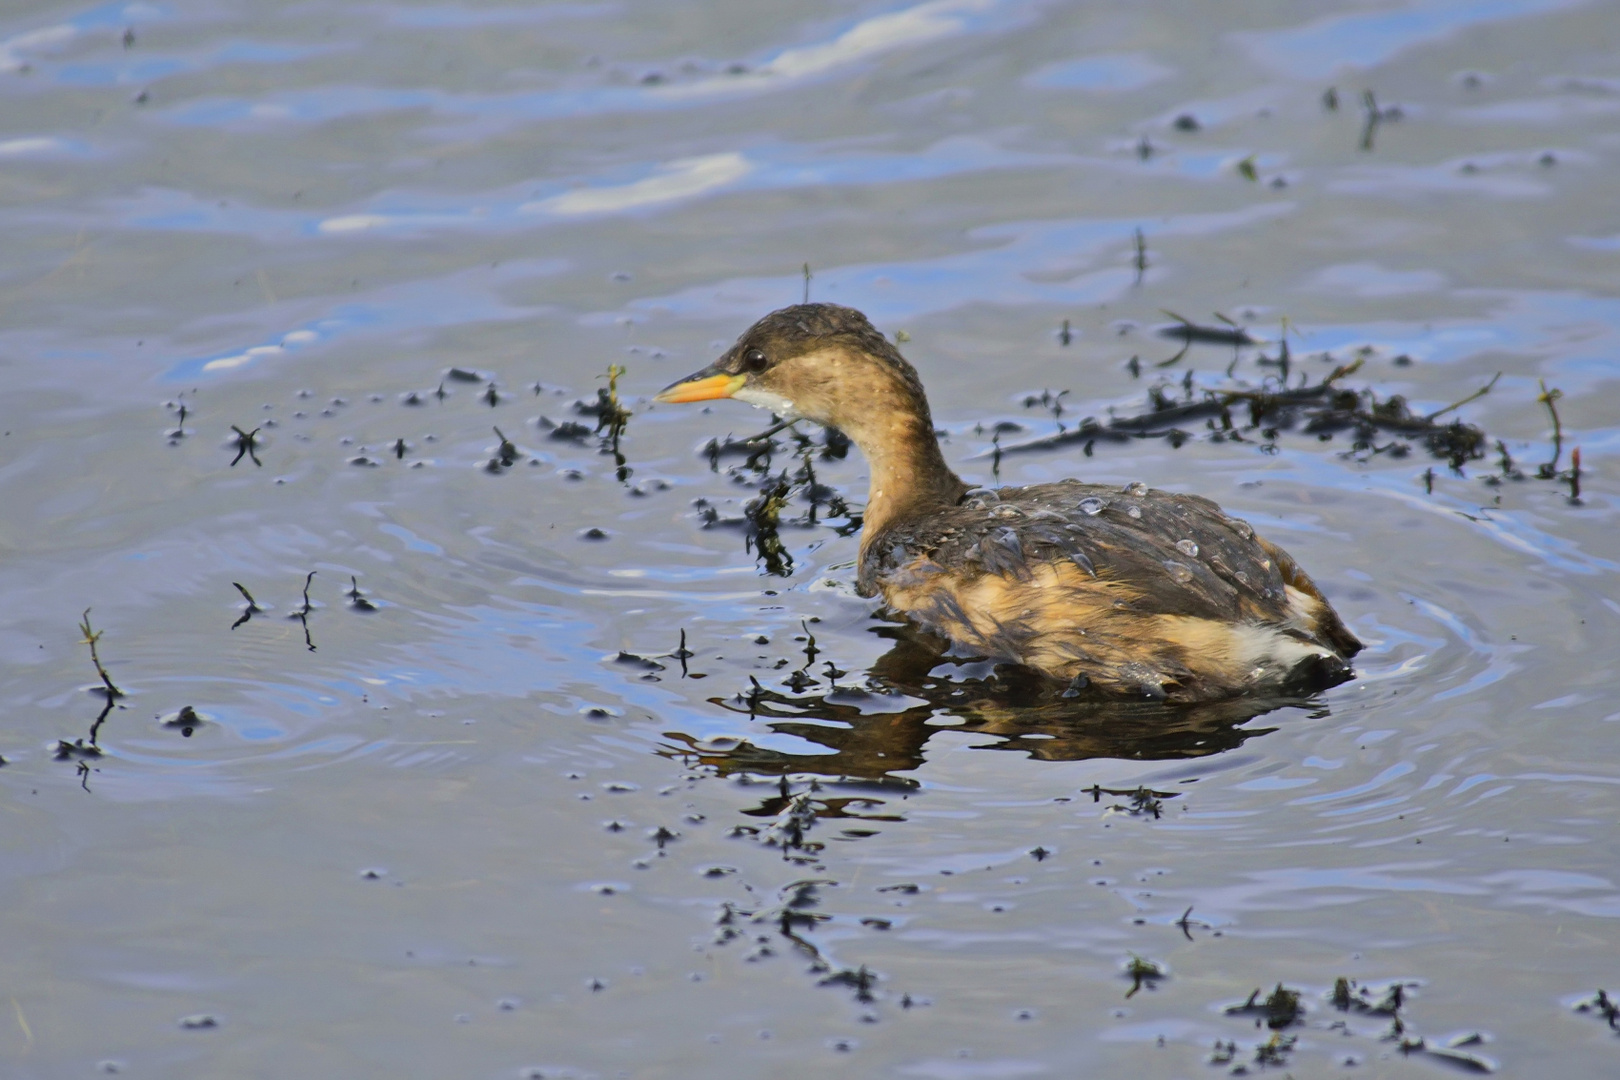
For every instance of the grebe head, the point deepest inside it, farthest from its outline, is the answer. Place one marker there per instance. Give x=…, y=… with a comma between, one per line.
x=821, y=362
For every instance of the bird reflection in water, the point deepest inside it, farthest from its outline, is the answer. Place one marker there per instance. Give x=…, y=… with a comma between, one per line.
x=878, y=733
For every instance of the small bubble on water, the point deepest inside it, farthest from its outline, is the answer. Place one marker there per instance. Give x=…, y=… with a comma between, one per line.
x=1187, y=548
x=1092, y=506
x=1178, y=572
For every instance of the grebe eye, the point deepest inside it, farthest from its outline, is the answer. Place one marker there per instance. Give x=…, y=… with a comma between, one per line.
x=754, y=360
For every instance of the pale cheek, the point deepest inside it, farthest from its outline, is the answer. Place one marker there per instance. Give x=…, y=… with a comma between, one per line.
x=764, y=399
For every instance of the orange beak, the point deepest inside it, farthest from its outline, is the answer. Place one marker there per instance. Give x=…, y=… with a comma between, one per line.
x=705, y=385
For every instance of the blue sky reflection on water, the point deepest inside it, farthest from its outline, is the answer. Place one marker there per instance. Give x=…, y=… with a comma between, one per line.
x=1366, y=39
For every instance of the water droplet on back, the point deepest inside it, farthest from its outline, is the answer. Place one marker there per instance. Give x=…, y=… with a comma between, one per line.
x=1178, y=572
x=1135, y=512
x=1092, y=506
x=1187, y=548
x=1243, y=528
x=1135, y=487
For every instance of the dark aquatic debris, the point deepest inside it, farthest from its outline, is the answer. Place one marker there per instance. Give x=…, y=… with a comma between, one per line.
x=91, y=637
x=1184, y=329
x=1322, y=409
x=566, y=430
x=1549, y=470
x=611, y=416
x=764, y=515
x=179, y=431
x=1284, y=1008
x=302, y=614
x=1376, y=114
x=1142, y=972
x=505, y=454
x=1602, y=1006
x=186, y=721
x=81, y=749
x=357, y=600
x=861, y=980
x=252, y=608
x=246, y=442
x=1278, y=1009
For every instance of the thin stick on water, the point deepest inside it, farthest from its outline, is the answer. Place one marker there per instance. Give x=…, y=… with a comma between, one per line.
x=1475, y=396
x=1549, y=398
x=90, y=639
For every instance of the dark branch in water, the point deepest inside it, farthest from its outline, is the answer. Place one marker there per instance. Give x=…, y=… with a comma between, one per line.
x=1322, y=409
x=753, y=447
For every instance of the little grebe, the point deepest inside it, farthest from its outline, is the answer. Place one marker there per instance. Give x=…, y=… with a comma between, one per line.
x=1130, y=590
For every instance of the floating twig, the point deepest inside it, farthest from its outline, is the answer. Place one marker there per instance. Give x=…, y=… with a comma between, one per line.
x=505, y=454
x=1475, y=396
x=302, y=614
x=1550, y=398
x=252, y=608
x=1376, y=115
x=90, y=639
x=246, y=443
x=1190, y=332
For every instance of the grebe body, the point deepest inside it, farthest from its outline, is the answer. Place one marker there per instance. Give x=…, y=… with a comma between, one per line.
x=1132, y=591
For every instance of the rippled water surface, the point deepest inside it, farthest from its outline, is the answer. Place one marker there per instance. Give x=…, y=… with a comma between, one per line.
x=492, y=821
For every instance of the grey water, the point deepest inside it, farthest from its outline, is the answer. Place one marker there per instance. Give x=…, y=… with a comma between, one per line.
x=490, y=820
